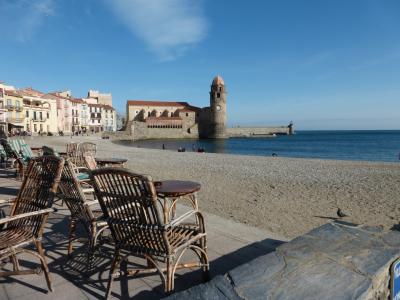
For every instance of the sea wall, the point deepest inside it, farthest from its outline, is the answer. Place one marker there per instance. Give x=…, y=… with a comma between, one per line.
x=257, y=131
x=190, y=130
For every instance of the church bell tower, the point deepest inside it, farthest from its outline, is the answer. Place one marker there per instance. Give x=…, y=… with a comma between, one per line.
x=218, y=109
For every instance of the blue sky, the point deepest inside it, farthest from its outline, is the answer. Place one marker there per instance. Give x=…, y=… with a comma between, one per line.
x=323, y=64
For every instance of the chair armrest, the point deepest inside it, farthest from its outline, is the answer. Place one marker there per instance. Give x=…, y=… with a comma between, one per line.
x=182, y=218
x=7, y=201
x=80, y=168
x=26, y=215
x=93, y=202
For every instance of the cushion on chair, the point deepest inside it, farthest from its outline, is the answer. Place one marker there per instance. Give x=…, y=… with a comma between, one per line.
x=82, y=176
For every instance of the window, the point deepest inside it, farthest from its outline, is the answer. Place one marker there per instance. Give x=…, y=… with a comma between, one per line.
x=34, y=116
x=41, y=117
x=187, y=114
x=47, y=115
x=27, y=113
x=9, y=102
x=41, y=127
x=98, y=121
x=17, y=103
x=34, y=127
x=218, y=95
x=17, y=115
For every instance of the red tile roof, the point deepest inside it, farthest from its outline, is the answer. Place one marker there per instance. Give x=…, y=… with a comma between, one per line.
x=31, y=92
x=75, y=100
x=13, y=93
x=107, y=106
x=156, y=103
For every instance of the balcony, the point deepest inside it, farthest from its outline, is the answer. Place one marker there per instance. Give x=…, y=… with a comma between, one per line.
x=39, y=120
x=10, y=107
x=15, y=120
x=19, y=108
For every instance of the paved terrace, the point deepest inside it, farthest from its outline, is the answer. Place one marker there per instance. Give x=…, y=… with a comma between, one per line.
x=230, y=244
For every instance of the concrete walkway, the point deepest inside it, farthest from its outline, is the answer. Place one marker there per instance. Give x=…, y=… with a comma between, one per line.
x=230, y=244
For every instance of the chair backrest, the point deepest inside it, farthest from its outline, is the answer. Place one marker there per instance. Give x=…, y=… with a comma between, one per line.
x=49, y=151
x=77, y=151
x=88, y=148
x=10, y=152
x=73, y=195
x=15, y=145
x=72, y=148
x=37, y=191
x=22, y=148
x=90, y=162
x=129, y=203
x=2, y=152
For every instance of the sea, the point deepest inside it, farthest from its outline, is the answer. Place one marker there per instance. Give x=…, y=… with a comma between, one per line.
x=361, y=145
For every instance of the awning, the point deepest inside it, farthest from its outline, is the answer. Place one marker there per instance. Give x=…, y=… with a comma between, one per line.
x=15, y=125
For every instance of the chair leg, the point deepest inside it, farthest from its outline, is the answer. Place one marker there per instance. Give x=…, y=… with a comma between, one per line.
x=91, y=247
x=169, y=283
x=114, y=264
x=71, y=235
x=204, y=260
x=44, y=264
x=15, y=262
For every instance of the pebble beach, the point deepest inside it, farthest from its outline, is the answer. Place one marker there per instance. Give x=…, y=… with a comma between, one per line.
x=285, y=196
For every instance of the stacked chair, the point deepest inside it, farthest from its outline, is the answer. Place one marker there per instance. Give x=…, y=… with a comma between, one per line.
x=29, y=214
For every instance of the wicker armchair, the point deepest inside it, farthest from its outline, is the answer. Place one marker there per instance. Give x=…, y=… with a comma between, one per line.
x=130, y=206
x=81, y=210
x=90, y=162
x=76, y=153
x=29, y=215
x=88, y=148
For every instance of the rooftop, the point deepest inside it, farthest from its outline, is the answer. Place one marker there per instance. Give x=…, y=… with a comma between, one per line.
x=218, y=80
x=156, y=103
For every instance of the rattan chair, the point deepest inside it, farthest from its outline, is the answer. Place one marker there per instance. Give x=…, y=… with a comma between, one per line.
x=88, y=148
x=29, y=215
x=130, y=206
x=81, y=210
x=90, y=162
x=76, y=153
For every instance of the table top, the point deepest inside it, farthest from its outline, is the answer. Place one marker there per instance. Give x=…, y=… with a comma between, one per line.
x=111, y=160
x=176, y=188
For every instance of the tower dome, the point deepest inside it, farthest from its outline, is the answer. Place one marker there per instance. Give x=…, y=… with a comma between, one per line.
x=218, y=80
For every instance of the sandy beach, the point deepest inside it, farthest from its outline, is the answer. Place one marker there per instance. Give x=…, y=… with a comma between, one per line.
x=285, y=196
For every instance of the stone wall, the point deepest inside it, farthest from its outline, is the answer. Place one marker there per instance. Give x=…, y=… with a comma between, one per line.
x=256, y=131
x=140, y=131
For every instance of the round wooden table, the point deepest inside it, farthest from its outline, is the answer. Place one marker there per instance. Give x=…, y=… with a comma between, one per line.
x=112, y=161
x=174, y=190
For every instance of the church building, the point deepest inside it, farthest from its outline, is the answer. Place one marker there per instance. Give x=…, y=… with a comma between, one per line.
x=175, y=119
